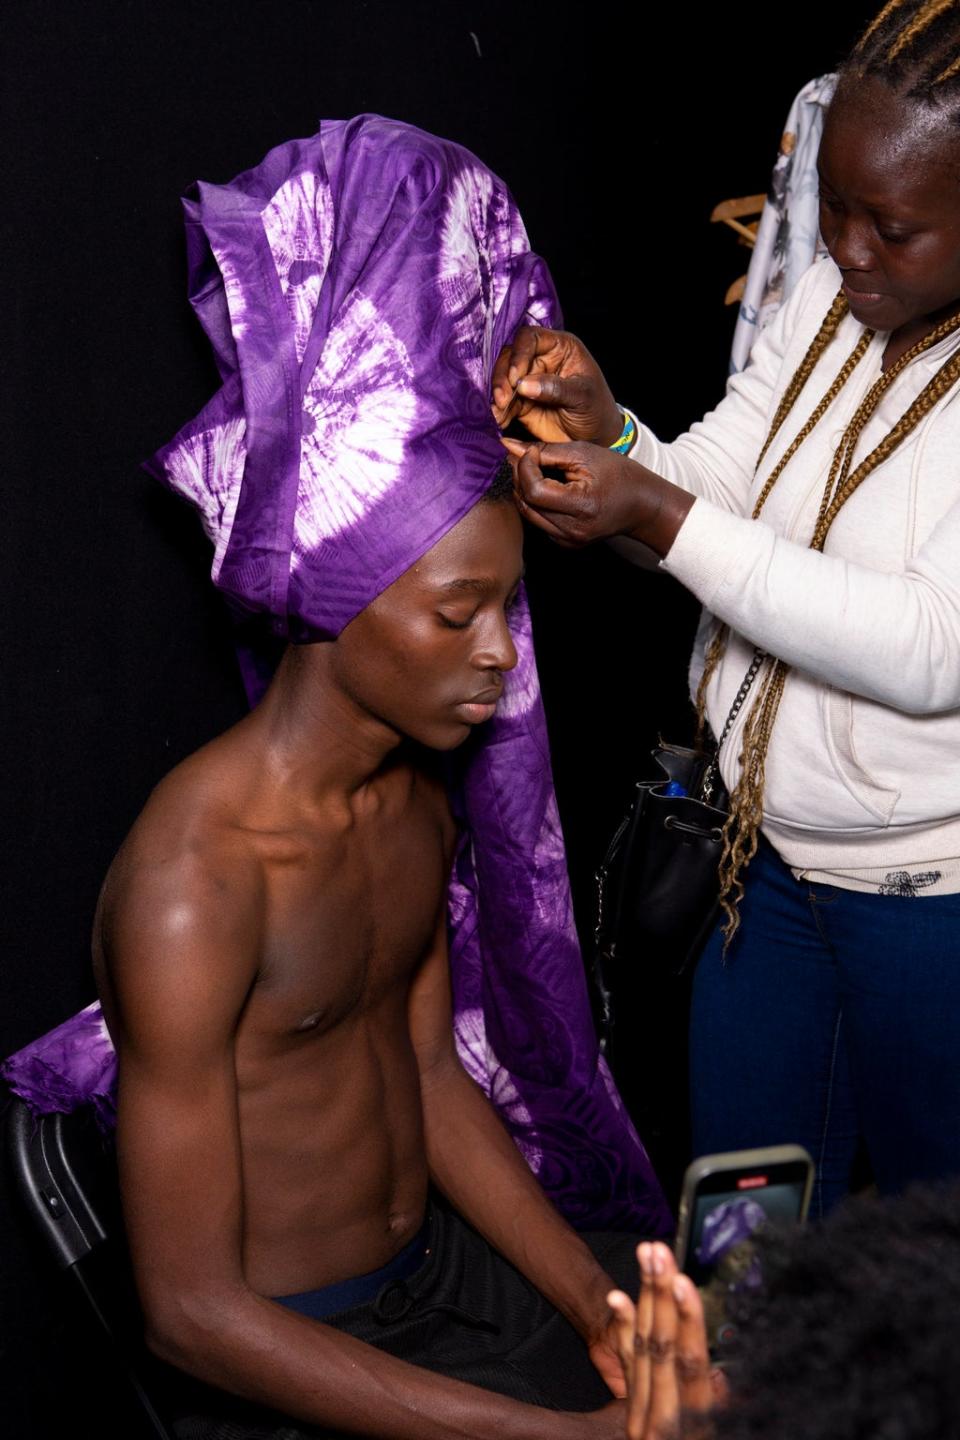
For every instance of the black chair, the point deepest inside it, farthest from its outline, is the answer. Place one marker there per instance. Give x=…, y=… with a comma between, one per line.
x=66, y=1176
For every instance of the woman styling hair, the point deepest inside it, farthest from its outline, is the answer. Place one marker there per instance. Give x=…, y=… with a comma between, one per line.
x=816, y=515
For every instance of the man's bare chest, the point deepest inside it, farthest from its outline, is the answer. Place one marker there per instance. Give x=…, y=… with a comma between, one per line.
x=348, y=919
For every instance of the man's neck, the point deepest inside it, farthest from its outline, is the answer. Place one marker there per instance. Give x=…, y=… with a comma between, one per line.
x=318, y=742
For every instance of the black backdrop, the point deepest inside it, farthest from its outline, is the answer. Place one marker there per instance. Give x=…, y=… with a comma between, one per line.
x=616, y=128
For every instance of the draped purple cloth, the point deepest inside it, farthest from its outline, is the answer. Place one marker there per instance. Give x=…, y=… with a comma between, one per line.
x=356, y=287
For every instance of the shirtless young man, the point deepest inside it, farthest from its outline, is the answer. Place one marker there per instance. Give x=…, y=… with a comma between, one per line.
x=328, y=1219
x=272, y=960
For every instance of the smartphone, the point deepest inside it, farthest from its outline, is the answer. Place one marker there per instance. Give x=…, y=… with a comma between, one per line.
x=725, y=1198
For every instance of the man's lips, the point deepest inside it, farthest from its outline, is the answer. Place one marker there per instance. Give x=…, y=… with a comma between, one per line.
x=481, y=707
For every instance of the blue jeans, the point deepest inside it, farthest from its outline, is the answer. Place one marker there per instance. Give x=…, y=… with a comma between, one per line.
x=834, y=1019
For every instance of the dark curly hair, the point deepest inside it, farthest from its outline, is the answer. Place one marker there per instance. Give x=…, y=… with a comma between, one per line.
x=855, y=1334
x=501, y=486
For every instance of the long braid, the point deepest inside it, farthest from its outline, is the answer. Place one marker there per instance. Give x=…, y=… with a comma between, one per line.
x=798, y=380
x=741, y=831
x=715, y=650
x=806, y=367
x=843, y=375
x=842, y=460
x=944, y=380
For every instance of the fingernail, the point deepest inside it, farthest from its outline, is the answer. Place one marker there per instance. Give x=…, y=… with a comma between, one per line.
x=659, y=1264
x=513, y=375
x=530, y=387
x=680, y=1292
x=645, y=1261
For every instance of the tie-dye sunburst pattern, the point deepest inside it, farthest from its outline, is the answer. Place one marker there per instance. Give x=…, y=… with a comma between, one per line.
x=298, y=224
x=359, y=409
x=207, y=469
x=481, y=230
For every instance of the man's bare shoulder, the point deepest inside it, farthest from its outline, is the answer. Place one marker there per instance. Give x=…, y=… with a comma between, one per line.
x=188, y=873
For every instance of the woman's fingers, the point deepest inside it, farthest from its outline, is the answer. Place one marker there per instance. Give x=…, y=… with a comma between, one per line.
x=537, y=347
x=601, y=493
x=555, y=497
x=573, y=392
x=508, y=410
x=544, y=523
x=516, y=360
x=563, y=497
x=574, y=505
x=551, y=382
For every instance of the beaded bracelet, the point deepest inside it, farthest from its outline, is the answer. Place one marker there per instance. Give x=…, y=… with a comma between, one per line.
x=628, y=435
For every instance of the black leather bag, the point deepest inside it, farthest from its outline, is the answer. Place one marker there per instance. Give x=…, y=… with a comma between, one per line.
x=658, y=885
x=657, y=890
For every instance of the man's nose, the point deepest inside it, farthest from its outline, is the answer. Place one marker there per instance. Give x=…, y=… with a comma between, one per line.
x=498, y=651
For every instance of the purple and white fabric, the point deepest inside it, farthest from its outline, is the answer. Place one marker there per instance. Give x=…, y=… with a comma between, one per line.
x=788, y=238
x=356, y=287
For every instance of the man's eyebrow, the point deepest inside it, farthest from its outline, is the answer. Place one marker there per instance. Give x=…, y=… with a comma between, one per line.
x=479, y=584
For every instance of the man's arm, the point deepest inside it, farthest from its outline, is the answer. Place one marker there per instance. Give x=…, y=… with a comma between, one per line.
x=475, y=1163
x=183, y=942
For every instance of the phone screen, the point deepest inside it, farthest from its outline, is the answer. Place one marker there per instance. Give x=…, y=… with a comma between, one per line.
x=728, y=1208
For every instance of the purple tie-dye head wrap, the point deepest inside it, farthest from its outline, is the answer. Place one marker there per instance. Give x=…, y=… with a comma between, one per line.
x=356, y=288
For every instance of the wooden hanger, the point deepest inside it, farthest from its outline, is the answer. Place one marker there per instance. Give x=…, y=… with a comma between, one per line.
x=734, y=213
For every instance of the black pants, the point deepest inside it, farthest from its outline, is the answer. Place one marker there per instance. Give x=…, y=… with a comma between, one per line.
x=467, y=1314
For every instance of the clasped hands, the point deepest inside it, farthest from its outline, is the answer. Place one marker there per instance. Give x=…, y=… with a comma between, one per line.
x=549, y=381
x=662, y=1345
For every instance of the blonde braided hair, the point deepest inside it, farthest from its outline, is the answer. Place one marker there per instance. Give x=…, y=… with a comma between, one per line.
x=798, y=380
x=913, y=45
x=924, y=17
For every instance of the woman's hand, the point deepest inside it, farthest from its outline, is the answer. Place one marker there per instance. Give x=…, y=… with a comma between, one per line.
x=551, y=382
x=603, y=494
x=663, y=1348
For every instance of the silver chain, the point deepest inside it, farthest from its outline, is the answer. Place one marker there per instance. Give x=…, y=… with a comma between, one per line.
x=709, y=775
x=758, y=658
